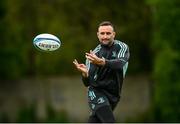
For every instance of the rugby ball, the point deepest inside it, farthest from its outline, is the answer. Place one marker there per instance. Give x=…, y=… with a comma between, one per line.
x=46, y=42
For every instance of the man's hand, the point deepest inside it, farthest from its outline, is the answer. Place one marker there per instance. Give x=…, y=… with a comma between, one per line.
x=81, y=67
x=94, y=59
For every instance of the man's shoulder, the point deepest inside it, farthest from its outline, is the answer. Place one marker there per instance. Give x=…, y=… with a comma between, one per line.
x=119, y=43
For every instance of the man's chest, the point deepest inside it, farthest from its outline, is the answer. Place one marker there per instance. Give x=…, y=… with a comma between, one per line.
x=108, y=53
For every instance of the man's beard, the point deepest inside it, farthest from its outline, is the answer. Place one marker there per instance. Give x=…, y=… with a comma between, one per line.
x=106, y=45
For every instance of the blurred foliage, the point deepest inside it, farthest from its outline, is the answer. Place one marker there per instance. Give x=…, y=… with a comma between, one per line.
x=56, y=116
x=29, y=115
x=166, y=63
x=166, y=99
x=75, y=23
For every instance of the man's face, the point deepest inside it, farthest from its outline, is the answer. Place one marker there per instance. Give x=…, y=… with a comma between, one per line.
x=106, y=35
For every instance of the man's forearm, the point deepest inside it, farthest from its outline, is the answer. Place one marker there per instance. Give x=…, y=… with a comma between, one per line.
x=115, y=63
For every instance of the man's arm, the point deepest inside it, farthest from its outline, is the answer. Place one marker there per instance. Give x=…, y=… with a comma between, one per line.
x=119, y=62
x=122, y=59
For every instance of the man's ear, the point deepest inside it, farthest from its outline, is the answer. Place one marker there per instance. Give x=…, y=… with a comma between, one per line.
x=97, y=34
x=114, y=33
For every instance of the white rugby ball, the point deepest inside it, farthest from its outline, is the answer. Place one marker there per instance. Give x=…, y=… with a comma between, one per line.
x=46, y=42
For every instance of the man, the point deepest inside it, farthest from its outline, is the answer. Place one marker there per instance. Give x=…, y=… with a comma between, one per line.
x=103, y=73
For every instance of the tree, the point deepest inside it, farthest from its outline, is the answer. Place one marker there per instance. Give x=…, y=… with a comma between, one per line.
x=166, y=18
x=75, y=23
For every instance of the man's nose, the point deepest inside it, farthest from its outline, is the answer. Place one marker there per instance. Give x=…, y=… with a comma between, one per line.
x=105, y=35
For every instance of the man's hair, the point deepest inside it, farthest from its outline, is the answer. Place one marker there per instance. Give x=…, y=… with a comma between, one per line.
x=106, y=23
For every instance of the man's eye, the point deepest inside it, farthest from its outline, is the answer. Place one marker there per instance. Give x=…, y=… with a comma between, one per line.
x=102, y=33
x=108, y=33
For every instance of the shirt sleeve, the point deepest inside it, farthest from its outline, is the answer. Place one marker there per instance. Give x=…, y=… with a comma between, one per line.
x=121, y=58
x=85, y=81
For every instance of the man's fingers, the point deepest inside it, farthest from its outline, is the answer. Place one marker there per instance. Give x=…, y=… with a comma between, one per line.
x=75, y=61
x=91, y=52
x=76, y=64
x=93, y=56
x=90, y=58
